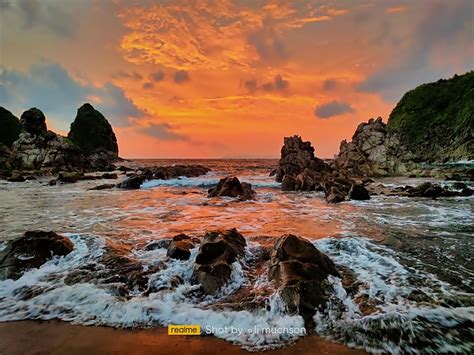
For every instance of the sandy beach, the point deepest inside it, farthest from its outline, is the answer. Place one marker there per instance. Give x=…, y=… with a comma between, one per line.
x=53, y=337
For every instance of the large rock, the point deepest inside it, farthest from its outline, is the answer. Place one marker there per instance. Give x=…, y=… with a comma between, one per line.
x=299, y=272
x=94, y=135
x=217, y=252
x=10, y=127
x=31, y=250
x=232, y=187
x=298, y=168
x=38, y=149
x=33, y=121
x=372, y=152
x=133, y=182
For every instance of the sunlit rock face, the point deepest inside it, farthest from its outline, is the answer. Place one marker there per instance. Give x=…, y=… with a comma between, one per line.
x=37, y=148
x=373, y=152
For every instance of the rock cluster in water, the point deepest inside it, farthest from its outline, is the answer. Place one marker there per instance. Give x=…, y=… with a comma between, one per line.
x=28, y=147
x=31, y=250
x=136, y=179
x=298, y=270
x=300, y=170
x=232, y=187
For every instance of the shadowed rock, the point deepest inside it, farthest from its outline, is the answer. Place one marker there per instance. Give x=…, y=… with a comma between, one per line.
x=133, y=182
x=217, y=252
x=31, y=250
x=232, y=187
x=10, y=127
x=180, y=247
x=299, y=272
x=33, y=121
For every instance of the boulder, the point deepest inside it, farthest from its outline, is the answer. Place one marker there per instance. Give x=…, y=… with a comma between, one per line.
x=33, y=121
x=299, y=272
x=70, y=177
x=175, y=171
x=426, y=189
x=232, y=187
x=359, y=192
x=180, y=247
x=133, y=182
x=16, y=177
x=10, y=127
x=217, y=252
x=31, y=250
x=94, y=135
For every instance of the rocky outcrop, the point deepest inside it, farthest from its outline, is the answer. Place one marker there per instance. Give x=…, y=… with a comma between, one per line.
x=94, y=135
x=299, y=272
x=435, y=121
x=373, y=152
x=232, y=187
x=39, y=149
x=426, y=190
x=217, y=252
x=31, y=250
x=298, y=168
x=10, y=128
x=162, y=173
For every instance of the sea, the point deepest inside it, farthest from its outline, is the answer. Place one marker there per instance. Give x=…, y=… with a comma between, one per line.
x=412, y=259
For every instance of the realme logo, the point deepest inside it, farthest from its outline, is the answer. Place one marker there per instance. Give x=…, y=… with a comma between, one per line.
x=184, y=330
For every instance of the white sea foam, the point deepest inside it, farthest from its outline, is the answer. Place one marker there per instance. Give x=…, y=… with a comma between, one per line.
x=89, y=304
x=399, y=324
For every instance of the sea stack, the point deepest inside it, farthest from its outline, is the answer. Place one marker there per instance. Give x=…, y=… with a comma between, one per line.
x=94, y=135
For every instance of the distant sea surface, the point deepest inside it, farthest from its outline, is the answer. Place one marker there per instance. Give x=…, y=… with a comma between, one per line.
x=412, y=257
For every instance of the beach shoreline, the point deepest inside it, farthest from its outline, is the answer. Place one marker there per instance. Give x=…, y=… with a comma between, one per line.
x=56, y=337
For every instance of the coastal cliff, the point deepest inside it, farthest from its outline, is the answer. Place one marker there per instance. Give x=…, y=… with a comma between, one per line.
x=432, y=124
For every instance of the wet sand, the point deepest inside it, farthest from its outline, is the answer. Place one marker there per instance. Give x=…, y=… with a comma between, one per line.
x=54, y=337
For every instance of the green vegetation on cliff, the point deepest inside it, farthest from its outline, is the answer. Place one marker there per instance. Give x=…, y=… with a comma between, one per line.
x=92, y=132
x=435, y=121
x=10, y=127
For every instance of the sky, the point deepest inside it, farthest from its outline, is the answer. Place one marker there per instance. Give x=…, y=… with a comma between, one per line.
x=226, y=79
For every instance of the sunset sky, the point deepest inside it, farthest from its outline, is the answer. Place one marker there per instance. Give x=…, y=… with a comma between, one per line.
x=226, y=79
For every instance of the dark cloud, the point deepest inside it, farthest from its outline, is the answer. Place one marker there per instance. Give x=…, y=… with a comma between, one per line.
x=181, y=76
x=251, y=85
x=331, y=109
x=148, y=85
x=446, y=28
x=163, y=131
x=49, y=87
x=278, y=84
x=57, y=18
x=329, y=84
x=268, y=44
x=157, y=76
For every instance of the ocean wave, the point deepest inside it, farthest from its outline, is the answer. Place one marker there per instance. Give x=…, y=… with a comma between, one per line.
x=209, y=180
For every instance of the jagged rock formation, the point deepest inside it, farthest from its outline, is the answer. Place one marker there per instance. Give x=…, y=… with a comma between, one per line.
x=31, y=250
x=37, y=148
x=298, y=168
x=94, y=135
x=299, y=272
x=10, y=127
x=232, y=187
x=217, y=252
x=180, y=247
x=373, y=152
